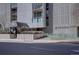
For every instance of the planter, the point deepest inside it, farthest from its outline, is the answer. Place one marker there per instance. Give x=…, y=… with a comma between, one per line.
x=25, y=36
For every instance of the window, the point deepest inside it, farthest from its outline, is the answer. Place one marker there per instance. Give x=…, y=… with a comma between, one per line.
x=34, y=20
x=37, y=17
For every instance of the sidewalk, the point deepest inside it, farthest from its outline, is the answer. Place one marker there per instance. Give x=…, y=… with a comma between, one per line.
x=47, y=40
x=44, y=40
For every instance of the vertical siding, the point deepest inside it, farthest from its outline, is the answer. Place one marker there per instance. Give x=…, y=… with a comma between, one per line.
x=63, y=22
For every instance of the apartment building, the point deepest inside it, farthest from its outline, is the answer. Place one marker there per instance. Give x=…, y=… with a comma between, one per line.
x=31, y=19
x=56, y=18
x=15, y=16
x=52, y=18
x=39, y=16
x=33, y=16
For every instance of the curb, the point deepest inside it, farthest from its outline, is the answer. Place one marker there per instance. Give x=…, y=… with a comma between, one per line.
x=39, y=41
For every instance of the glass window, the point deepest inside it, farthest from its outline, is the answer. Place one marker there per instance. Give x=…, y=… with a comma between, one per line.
x=34, y=20
x=37, y=17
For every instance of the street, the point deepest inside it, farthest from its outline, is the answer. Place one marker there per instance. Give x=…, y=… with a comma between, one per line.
x=38, y=48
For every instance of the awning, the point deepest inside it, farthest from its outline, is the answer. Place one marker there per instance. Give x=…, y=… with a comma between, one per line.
x=20, y=24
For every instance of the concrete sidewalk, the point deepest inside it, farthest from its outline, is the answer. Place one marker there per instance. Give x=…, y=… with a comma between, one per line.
x=44, y=40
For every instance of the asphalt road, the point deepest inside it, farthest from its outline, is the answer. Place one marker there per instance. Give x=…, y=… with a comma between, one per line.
x=39, y=49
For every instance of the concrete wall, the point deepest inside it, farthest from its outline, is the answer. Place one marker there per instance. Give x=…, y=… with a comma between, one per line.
x=5, y=15
x=4, y=36
x=76, y=13
x=25, y=36
x=24, y=13
x=63, y=21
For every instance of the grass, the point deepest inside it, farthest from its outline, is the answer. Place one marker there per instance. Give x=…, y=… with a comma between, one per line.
x=61, y=36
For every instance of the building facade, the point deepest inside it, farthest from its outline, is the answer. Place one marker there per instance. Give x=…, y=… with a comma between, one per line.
x=52, y=18
x=65, y=19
